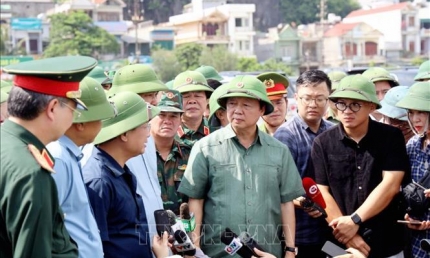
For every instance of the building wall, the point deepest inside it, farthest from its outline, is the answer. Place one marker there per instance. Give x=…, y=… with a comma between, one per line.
x=30, y=8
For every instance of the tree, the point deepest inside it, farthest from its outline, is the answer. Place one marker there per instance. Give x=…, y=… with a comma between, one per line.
x=166, y=64
x=223, y=61
x=75, y=34
x=248, y=64
x=273, y=65
x=188, y=55
x=307, y=11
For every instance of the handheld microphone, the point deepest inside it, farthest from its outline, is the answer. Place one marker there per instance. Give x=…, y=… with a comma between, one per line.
x=187, y=218
x=183, y=243
x=184, y=211
x=314, y=199
x=236, y=246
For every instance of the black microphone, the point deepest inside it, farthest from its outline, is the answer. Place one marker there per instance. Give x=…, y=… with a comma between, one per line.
x=184, y=246
x=184, y=211
x=235, y=244
x=425, y=244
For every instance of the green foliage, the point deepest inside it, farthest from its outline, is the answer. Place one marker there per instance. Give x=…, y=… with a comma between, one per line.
x=418, y=60
x=188, y=55
x=273, y=65
x=307, y=11
x=219, y=57
x=166, y=64
x=3, y=37
x=247, y=64
x=75, y=34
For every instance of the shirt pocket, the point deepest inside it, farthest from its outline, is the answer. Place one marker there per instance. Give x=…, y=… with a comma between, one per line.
x=339, y=166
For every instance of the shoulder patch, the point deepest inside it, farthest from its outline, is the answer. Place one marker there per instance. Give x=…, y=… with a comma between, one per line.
x=206, y=130
x=180, y=131
x=183, y=167
x=43, y=159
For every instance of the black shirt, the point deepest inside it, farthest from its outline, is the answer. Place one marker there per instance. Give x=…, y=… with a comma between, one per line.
x=352, y=171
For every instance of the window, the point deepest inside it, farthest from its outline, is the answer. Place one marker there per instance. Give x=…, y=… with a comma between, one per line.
x=371, y=48
x=210, y=29
x=243, y=45
x=238, y=22
x=242, y=22
x=411, y=22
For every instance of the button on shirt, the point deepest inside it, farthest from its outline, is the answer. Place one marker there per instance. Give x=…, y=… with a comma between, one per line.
x=73, y=197
x=353, y=170
x=118, y=209
x=297, y=135
x=242, y=188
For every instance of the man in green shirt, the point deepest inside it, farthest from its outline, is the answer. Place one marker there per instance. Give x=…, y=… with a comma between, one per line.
x=195, y=94
x=172, y=156
x=41, y=108
x=242, y=178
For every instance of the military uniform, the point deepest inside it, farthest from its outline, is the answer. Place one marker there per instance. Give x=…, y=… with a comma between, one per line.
x=189, y=137
x=31, y=220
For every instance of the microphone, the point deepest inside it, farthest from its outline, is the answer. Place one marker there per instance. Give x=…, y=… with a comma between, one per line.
x=183, y=243
x=314, y=199
x=235, y=245
x=184, y=211
x=425, y=244
x=187, y=218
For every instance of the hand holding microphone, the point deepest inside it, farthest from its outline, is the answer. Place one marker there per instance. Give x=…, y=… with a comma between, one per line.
x=314, y=201
x=242, y=245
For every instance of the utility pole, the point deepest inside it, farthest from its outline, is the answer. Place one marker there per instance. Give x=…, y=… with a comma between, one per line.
x=322, y=15
x=137, y=18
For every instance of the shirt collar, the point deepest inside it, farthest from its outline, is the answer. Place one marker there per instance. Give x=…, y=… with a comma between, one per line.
x=324, y=125
x=71, y=146
x=229, y=134
x=370, y=130
x=109, y=162
x=24, y=135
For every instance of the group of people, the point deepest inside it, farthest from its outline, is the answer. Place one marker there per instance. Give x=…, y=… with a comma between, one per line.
x=87, y=157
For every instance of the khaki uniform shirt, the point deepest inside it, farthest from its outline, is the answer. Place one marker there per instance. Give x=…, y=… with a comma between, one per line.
x=31, y=220
x=242, y=188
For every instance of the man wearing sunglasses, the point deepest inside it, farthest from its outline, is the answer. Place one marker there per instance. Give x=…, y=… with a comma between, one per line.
x=359, y=166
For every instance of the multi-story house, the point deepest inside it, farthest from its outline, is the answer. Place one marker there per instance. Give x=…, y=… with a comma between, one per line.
x=398, y=23
x=216, y=22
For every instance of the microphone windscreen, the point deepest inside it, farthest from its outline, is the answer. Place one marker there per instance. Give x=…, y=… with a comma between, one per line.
x=184, y=211
x=227, y=236
x=172, y=217
x=313, y=192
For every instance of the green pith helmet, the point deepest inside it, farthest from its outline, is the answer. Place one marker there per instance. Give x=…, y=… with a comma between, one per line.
x=213, y=101
x=246, y=86
x=3, y=96
x=94, y=97
x=417, y=98
x=132, y=111
x=423, y=72
x=356, y=87
x=6, y=86
x=169, y=84
x=335, y=77
x=209, y=72
x=191, y=81
x=109, y=78
x=390, y=100
x=137, y=78
x=98, y=74
x=377, y=74
x=170, y=101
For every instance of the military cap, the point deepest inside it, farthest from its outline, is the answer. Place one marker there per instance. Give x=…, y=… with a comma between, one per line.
x=390, y=100
x=417, y=98
x=169, y=84
x=109, y=78
x=335, y=77
x=94, y=97
x=191, y=81
x=246, y=86
x=137, y=78
x=209, y=72
x=356, y=87
x=3, y=96
x=56, y=76
x=98, y=74
x=423, y=72
x=6, y=86
x=132, y=111
x=276, y=85
x=170, y=101
x=377, y=74
x=213, y=101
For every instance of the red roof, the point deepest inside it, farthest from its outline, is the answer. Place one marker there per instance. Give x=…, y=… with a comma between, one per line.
x=340, y=29
x=388, y=8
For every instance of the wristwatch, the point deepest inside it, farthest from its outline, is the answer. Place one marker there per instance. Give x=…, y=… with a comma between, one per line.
x=291, y=249
x=356, y=219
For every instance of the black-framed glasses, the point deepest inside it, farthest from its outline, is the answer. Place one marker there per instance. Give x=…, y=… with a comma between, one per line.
x=320, y=101
x=354, y=106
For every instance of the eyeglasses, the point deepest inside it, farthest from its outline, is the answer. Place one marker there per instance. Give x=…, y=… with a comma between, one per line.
x=147, y=126
x=354, y=106
x=76, y=113
x=320, y=101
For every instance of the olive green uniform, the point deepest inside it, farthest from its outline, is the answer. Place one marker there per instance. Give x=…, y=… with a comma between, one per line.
x=31, y=220
x=189, y=137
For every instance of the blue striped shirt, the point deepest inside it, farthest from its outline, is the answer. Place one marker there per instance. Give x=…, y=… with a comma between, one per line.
x=297, y=135
x=420, y=160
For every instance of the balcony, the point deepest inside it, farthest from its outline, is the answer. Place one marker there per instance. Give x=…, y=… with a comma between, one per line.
x=220, y=39
x=425, y=33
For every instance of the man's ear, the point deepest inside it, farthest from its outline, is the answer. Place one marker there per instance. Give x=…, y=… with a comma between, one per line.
x=124, y=137
x=51, y=108
x=79, y=126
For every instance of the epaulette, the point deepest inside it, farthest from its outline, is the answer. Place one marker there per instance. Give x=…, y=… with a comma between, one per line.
x=43, y=158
